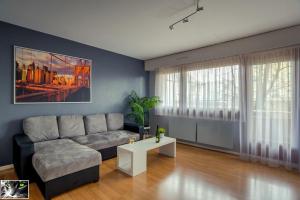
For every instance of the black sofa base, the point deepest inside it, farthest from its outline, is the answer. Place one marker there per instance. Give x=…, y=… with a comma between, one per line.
x=62, y=184
x=108, y=153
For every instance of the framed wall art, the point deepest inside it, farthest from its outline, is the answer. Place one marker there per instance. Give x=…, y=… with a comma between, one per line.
x=46, y=77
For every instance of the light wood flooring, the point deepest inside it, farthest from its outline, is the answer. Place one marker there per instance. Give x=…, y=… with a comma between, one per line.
x=194, y=174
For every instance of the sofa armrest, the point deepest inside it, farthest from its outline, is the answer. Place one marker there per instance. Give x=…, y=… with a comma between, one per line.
x=134, y=128
x=23, y=149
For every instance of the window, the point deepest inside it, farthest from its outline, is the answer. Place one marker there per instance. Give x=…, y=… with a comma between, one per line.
x=168, y=89
x=204, y=90
x=272, y=86
x=271, y=133
x=271, y=102
x=213, y=92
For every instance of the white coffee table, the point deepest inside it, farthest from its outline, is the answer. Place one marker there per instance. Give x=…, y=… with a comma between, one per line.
x=132, y=158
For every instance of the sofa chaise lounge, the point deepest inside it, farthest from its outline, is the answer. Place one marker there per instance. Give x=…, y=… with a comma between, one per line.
x=61, y=153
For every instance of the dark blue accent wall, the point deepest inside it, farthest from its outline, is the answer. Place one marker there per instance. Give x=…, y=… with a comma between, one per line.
x=113, y=77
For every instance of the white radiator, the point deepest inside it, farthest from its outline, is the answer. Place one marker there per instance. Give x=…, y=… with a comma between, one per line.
x=210, y=132
x=216, y=133
x=182, y=128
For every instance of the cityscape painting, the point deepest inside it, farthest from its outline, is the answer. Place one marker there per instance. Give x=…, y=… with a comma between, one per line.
x=45, y=77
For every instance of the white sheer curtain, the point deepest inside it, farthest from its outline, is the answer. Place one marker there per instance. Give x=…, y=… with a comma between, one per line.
x=204, y=90
x=269, y=128
x=260, y=90
x=168, y=87
x=211, y=89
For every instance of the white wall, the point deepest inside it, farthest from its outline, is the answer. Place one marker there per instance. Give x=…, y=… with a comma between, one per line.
x=266, y=41
x=275, y=39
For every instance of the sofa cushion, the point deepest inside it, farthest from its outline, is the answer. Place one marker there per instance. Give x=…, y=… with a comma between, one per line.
x=70, y=126
x=95, y=124
x=52, y=146
x=106, y=139
x=115, y=121
x=121, y=136
x=41, y=128
x=95, y=141
x=57, y=158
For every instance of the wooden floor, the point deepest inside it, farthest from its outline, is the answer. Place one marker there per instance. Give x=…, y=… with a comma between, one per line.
x=194, y=174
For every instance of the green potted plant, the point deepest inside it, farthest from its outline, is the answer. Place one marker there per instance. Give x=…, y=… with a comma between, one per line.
x=162, y=132
x=140, y=107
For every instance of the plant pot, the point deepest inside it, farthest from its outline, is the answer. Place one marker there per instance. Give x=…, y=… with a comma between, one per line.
x=144, y=132
x=162, y=135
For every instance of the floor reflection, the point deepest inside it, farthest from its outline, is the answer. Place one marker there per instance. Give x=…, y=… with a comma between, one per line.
x=181, y=185
x=192, y=184
x=260, y=188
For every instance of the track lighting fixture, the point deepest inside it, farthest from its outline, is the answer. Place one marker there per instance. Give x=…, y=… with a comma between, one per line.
x=186, y=19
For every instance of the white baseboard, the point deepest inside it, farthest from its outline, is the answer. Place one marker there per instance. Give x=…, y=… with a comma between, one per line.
x=5, y=167
x=209, y=148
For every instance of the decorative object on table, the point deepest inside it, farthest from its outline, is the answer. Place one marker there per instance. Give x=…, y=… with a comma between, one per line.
x=140, y=107
x=132, y=140
x=45, y=77
x=157, y=140
x=162, y=132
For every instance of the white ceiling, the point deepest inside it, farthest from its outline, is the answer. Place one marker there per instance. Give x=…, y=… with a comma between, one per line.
x=139, y=28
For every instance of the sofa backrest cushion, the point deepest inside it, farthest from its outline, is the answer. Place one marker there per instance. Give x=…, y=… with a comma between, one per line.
x=95, y=123
x=115, y=121
x=70, y=126
x=41, y=128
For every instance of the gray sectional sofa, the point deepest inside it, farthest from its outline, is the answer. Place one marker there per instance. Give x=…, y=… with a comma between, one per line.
x=61, y=153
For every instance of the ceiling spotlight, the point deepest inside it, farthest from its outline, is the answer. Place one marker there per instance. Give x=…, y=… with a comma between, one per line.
x=186, y=18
